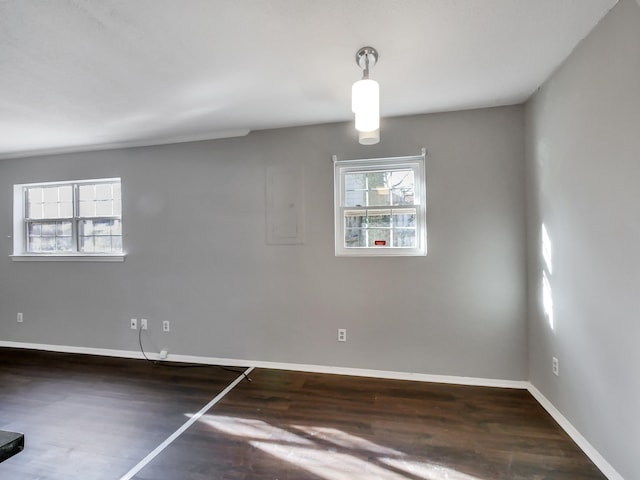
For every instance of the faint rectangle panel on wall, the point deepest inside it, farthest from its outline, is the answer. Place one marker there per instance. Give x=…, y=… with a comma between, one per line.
x=285, y=205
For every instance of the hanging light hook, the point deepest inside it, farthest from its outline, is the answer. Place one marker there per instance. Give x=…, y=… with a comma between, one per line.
x=366, y=58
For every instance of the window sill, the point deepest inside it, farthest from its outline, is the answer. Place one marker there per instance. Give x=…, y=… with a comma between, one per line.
x=371, y=252
x=68, y=258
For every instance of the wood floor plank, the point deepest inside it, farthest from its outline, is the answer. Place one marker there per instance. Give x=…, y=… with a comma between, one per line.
x=289, y=425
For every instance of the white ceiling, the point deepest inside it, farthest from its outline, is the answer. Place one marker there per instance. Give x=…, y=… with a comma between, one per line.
x=87, y=74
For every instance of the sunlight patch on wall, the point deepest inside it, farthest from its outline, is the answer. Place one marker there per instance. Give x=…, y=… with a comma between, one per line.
x=547, y=297
x=547, y=300
x=546, y=249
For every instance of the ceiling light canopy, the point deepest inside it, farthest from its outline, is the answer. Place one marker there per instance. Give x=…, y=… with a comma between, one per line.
x=365, y=99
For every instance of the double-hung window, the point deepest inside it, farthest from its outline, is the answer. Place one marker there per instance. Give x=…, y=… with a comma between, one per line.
x=380, y=206
x=68, y=219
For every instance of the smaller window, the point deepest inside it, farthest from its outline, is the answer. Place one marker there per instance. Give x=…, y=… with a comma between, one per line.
x=380, y=206
x=82, y=218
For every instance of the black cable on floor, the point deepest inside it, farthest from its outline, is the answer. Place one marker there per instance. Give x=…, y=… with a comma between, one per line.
x=186, y=365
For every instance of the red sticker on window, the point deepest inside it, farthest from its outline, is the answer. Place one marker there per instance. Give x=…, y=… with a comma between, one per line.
x=380, y=243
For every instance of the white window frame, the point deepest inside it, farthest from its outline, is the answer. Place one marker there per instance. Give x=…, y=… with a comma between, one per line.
x=343, y=167
x=20, y=251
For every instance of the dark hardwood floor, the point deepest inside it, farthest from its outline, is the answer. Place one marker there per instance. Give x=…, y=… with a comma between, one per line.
x=95, y=418
x=87, y=417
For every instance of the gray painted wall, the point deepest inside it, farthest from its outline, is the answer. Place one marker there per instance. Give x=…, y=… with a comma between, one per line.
x=194, y=219
x=583, y=166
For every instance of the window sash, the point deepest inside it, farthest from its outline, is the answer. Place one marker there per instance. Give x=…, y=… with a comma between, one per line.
x=369, y=225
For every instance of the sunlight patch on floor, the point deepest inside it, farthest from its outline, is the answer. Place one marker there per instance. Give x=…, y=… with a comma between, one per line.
x=253, y=429
x=331, y=454
x=328, y=464
x=346, y=440
x=427, y=471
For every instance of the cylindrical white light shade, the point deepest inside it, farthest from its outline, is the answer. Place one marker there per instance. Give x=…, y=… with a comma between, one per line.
x=369, y=138
x=365, y=103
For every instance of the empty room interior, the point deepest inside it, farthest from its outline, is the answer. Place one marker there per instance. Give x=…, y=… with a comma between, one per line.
x=282, y=239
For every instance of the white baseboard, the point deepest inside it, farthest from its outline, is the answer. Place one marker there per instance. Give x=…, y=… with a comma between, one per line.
x=582, y=442
x=298, y=367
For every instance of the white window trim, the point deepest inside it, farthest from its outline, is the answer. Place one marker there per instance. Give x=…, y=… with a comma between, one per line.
x=19, y=233
x=418, y=163
x=53, y=257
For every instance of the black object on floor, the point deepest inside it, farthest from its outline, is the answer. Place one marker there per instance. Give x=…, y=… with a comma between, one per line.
x=10, y=444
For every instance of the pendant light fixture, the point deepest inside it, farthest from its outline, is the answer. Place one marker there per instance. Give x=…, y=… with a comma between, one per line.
x=365, y=99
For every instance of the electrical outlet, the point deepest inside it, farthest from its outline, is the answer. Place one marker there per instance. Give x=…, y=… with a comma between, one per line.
x=164, y=354
x=342, y=334
x=166, y=327
x=143, y=324
x=19, y=317
x=134, y=324
x=555, y=367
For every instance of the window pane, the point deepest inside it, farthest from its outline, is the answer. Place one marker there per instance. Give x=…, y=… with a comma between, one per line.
x=355, y=189
x=102, y=227
x=377, y=180
x=355, y=181
x=116, y=227
x=64, y=244
x=404, y=219
x=48, y=229
x=87, y=209
x=50, y=195
x=354, y=237
x=379, y=219
x=354, y=219
x=65, y=193
x=378, y=237
x=116, y=191
x=34, y=210
x=87, y=193
x=402, y=187
x=355, y=198
x=35, y=229
x=34, y=195
x=66, y=209
x=116, y=243
x=86, y=228
x=48, y=244
x=104, y=208
x=35, y=244
x=103, y=191
x=63, y=229
x=403, y=196
x=103, y=243
x=51, y=210
x=401, y=179
x=379, y=196
x=404, y=237
x=86, y=244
